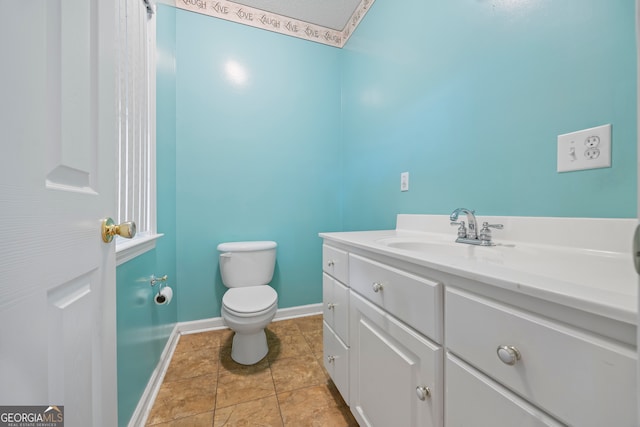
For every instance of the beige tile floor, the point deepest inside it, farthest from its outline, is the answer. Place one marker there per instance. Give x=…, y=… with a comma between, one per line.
x=203, y=386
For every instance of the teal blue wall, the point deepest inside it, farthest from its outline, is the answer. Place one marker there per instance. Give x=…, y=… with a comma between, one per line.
x=255, y=161
x=469, y=97
x=143, y=329
x=142, y=326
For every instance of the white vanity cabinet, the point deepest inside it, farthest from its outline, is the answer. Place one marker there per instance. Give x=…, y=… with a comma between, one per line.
x=396, y=368
x=580, y=378
x=451, y=339
x=335, y=297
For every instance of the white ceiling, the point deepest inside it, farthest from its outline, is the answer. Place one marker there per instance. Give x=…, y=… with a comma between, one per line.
x=332, y=14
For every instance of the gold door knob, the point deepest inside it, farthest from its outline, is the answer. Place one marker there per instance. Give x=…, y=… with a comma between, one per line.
x=109, y=229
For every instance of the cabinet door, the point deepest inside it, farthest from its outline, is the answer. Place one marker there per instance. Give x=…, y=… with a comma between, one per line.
x=391, y=365
x=475, y=400
x=336, y=361
x=335, y=297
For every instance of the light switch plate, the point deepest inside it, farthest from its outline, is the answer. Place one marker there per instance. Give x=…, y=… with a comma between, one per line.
x=585, y=149
x=404, y=181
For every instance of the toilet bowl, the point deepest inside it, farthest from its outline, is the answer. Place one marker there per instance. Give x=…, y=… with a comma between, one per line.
x=249, y=304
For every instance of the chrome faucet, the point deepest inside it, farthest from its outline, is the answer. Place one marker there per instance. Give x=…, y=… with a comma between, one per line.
x=471, y=221
x=470, y=235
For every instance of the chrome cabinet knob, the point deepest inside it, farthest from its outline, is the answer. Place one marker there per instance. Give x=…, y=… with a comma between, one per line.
x=330, y=263
x=423, y=392
x=331, y=359
x=377, y=287
x=330, y=306
x=508, y=354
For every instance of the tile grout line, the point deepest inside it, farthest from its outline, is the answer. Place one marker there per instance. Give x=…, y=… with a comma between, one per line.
x=310, y=336
x=275, y=390
x=215, y=397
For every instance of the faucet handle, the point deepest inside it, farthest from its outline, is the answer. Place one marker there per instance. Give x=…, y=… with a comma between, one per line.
x=485, y=232
x=462, y=230
x=496, y=226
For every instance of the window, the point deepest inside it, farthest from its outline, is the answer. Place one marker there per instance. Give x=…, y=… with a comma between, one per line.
x=136, y=111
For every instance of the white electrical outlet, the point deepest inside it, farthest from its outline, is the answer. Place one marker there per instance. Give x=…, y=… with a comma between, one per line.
x=404, y=181
x=585, y=149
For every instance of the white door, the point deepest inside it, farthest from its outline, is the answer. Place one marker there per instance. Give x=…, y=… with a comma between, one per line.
x=637, y=243
x=57, y=179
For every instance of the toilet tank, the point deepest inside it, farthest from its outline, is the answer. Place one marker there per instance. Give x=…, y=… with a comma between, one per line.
x=247, y=263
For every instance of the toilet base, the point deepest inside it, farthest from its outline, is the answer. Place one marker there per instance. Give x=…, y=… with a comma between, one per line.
x=248, y=349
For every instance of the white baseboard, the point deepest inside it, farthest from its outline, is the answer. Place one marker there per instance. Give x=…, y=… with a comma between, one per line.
x=140, y=415
x=213, y=323
x=299, y=311
x=202, y=325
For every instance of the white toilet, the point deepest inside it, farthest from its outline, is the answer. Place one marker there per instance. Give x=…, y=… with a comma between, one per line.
x=250, y=303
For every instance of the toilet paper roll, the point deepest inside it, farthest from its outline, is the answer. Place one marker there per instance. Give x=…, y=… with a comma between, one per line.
x=164, y=296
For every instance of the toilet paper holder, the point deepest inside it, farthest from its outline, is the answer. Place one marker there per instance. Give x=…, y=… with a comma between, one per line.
x=165, y=293
x=155, y=280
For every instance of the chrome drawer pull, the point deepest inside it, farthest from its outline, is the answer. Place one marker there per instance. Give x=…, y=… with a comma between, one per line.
x=331, y=359
x=508, y=354
x=330, y=306
x=330, y=263
x=377, y=287
x=423, y=392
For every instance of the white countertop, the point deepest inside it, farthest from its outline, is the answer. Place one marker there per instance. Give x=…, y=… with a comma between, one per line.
x=596, y=276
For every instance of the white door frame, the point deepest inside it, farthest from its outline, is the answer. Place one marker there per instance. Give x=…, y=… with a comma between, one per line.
x=638, y=180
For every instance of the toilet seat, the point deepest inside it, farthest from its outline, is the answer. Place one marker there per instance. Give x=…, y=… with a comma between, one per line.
x=249, y=301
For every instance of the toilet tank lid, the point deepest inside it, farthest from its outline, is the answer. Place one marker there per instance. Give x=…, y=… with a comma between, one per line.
x=246, y=246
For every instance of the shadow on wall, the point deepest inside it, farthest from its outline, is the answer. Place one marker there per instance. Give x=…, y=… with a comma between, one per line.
x=275, y=281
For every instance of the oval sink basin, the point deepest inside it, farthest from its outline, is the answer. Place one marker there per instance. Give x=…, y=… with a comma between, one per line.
x=425, y=247
x=570, y=265
x=415, y=246
x=436, y=247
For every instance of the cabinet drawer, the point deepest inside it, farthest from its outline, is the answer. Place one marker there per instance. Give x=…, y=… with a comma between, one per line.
x=473, y=399
x=336, y=361
x=415, y=300
x=389, y=362
x=335, y=297
x=335, y=263
x=582, y=380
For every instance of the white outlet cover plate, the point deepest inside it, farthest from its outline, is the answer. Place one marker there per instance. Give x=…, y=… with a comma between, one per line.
x=585, y=149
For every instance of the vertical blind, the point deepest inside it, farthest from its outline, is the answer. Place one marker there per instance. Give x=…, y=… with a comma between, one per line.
x=135, y=111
